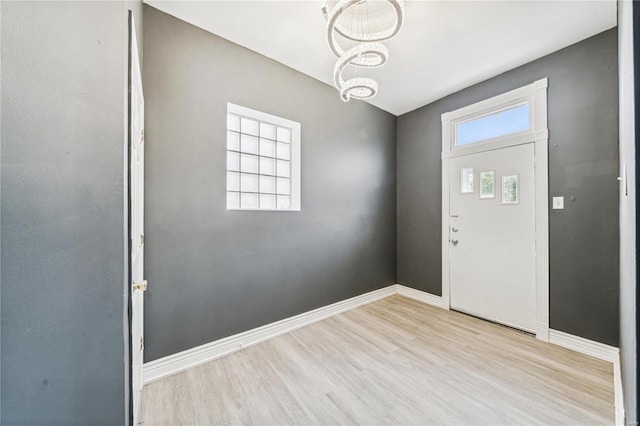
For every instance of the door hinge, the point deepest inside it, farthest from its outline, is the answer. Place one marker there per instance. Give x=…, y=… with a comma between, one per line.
x=142, y=136
x=141, y=239
x=141, y=343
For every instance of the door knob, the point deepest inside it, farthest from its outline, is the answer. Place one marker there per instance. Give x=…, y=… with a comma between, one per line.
x=142, y=285
x=454, y=242
x=454, y=229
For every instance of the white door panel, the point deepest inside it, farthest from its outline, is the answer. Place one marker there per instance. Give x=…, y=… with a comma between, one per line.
x=137, y=224
x=492, y=251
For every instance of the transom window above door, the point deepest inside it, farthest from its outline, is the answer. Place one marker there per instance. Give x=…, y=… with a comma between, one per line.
x=263, y=161
x=507, y=121
x=514, y=117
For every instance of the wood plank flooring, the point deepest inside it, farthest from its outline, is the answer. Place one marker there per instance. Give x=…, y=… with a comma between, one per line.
x=395, y=361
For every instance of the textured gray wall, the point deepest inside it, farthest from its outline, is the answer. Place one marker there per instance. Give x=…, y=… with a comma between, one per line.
x=63, y=259
x=213, y=272
x=583, y=163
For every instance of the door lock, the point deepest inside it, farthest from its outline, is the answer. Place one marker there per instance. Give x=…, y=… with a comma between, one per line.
x=454, y=242
x=141, y=285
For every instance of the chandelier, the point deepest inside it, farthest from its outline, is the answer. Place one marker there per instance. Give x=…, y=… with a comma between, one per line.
x=355, y=29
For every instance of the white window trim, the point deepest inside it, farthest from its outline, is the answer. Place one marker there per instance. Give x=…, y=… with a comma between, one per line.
x=527, y=94
x=538, y=134
x=295, y=152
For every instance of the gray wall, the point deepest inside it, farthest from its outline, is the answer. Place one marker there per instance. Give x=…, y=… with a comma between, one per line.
x=62, y=216
x=213, y=272
x=583, y=163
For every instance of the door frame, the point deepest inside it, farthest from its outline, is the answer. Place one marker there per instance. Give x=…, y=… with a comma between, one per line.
x=535, y=94
x=129, y=420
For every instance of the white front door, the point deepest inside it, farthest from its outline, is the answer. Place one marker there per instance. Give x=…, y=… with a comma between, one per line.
x=138, y=285
x=492, y=235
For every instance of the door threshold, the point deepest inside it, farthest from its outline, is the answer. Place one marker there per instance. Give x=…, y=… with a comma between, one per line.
x=519, y=330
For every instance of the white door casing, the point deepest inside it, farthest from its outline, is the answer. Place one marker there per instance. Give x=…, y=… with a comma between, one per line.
x=535, y=95
x=136, y=173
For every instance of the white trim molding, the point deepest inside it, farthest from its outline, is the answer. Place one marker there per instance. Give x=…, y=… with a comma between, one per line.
x=419, y=295
x=535, y=95
x=184, y=360
x=584, y=346
x=600, y=351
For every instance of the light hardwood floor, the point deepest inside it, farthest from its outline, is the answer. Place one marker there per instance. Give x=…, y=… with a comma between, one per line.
x=394, y=361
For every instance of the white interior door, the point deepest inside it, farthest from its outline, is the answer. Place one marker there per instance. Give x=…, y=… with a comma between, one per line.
x=492, y=235
x=138, y=285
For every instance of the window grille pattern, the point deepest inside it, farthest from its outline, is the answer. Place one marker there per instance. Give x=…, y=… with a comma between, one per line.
x=259, y=164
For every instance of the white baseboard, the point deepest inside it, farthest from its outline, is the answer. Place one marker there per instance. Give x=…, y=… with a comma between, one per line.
x=184, y=360
x=584, y=346
x=600, y=351
x=419, y=295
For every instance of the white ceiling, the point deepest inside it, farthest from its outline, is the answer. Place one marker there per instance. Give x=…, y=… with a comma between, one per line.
x=444, y=46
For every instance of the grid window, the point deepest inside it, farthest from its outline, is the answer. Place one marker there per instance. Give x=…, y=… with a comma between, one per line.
x=263, y=161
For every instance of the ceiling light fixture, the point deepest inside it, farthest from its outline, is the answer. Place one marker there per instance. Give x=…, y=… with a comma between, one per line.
x=356, y=24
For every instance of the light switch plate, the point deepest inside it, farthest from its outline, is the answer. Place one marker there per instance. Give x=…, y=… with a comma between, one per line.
x=558, y=203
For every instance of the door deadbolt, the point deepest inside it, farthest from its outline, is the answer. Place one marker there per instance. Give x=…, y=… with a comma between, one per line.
x=454, y=242
x=454, y=229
